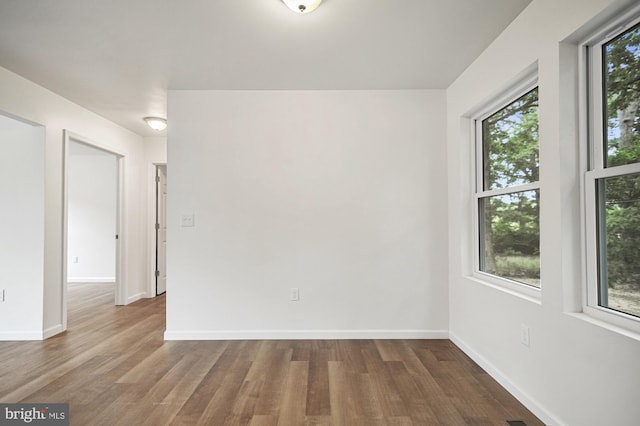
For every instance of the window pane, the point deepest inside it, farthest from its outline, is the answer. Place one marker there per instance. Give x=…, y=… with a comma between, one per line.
x=510, y=144
x=621, y=95
x=510, y=236
x=619, y=231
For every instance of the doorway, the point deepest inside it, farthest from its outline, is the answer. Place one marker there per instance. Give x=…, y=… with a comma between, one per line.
x=161, y=229
x=92, y=234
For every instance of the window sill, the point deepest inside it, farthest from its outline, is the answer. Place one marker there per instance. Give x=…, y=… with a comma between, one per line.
x=630, y=333
x=522, y=291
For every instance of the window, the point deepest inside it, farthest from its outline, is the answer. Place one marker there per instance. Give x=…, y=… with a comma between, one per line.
x=508, y=190
x=612, y=183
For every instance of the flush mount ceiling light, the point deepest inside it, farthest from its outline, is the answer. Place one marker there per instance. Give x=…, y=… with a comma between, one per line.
x=302, y=6
x=156, y=123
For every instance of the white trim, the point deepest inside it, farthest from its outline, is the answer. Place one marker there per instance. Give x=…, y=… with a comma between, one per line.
x=121, y=255
x=584, y=134
x=531, y=186
x=151, y=220
x=65, y=226
x=618, y=322
x=531, y=403
x=627, y=169
x=591, y=246
x=109, y=280
x=514, y=288
x=52, y=331
x=591, y=305
x=605, y=322
x=593, y=55
x=612, y=27
x=136, y=297
x=304, y=334
x=478, y=153
x=19, y=336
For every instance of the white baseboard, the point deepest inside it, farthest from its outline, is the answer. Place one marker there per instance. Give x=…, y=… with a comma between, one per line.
x=136, y=297
x=91, y=279
x=304, y=334
x=506, y=383
x=14, y=336
x=52, y=331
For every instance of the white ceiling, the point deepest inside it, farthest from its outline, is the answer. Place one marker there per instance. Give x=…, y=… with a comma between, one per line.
x=118, y=58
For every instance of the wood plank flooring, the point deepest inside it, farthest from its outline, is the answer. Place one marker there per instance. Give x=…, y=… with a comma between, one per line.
x=113, y=368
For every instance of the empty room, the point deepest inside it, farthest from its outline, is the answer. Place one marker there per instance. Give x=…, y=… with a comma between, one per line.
x=320, y=212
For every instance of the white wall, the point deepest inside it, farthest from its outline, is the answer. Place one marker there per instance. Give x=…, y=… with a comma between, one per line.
x=23, y=98
x=156, y=150
x=340, y=194
x=22, y=184
x=92, y=198
x=575, y=372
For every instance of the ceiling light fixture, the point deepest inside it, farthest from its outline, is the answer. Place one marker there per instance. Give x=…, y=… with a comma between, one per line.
x=302, y=6
x=156, y=123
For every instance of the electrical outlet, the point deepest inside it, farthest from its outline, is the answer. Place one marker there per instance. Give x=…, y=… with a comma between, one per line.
x=295, y=294
x=75, y=259
x=187, y=220
x=524, y=335
x=3, y=299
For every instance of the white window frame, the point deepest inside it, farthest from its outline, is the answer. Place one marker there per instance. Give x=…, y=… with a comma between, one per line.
x=523, y=85
x=592, y=140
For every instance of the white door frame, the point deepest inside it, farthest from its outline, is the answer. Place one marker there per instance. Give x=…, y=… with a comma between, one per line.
x=151, y=220
x=157, y=224
x=120, y=286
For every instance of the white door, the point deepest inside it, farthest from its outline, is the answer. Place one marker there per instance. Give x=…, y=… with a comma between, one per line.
x=161, y=227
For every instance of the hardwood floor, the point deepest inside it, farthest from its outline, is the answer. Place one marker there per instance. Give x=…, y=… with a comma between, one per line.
x=113, y=368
